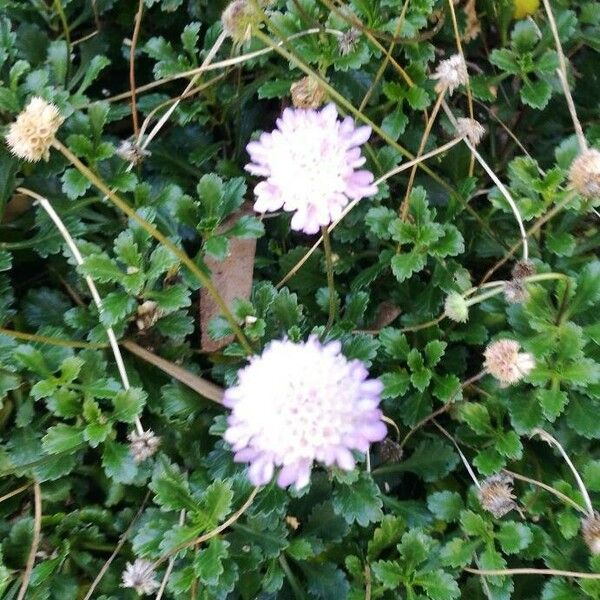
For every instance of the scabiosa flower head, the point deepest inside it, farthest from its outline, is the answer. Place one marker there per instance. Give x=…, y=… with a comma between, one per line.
x=504, y=361
x=139, y=575
x=515, y=291
x=471, y=129
x=456, y=308
x=143, y=445
x=590, y=528
x=32, y=134
x=585, y=174
x=298, y=403
x=496, y=495
x=310, y=166
x=522, y=269
x=307, y=93
x=450, y=73
x=347, y=41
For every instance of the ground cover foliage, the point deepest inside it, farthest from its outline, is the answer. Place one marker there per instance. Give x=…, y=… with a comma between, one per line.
x=405, y=281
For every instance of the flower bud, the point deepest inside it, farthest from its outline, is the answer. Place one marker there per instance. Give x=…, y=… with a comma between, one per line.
x=456, y=308
x=239, y=18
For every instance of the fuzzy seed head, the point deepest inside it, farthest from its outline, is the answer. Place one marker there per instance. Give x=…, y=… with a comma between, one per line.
x=496, y=495
x=300, y=403
x=456, y=308
x=347, y=42
x=310, y=165
x=131, y=152
x=471, y=129
x=522, y=269
x=451, y=73
x=504, y=361
x=32, y=134
x=590, y=528
x=584, y=174
x=515, y=291
x=307, y=93
x=239, y=18
x=390, y=451
x=139, y=575
x=143, y=445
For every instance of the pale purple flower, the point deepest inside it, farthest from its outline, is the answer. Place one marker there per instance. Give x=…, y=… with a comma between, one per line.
x=504, y=361
x=310, y=166
x=300, y=403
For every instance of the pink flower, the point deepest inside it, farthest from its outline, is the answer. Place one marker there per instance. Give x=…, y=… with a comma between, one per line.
x=300, y=403
x=504, y=361
x=310, y=166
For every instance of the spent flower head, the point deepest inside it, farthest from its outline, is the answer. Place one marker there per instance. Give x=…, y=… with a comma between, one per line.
x=471, y=129
x=496, y=495
x=298, y=403
x=32, y=134
x=143, y=445
x=140, y=576
x=347, y=41
x=515, y=291
x=504, y=361
x=307, y=93
x=240, y=17
x=584, y=174
x=590, y=528
x=310, y=164
x=450, y=73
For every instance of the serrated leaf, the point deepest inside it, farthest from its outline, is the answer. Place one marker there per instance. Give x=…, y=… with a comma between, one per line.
x=359, y=502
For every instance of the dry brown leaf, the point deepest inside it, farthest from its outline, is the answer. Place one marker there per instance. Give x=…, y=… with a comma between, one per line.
x=473, y=28
x=232, y=278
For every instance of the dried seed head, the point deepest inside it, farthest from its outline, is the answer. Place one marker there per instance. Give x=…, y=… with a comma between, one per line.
x=496, y=495
x=32, y=134
x=390, y=451
x=347, y=41
x=239, y=18
x=590, y=528
x=504, y=361
x=450, y=73
x=147, y=315
x=307, y=93
x=143, y=445
x=139, y=575
x=131, y=152
x=523, y=269
x=471, y=129
x=456, y=308
x=584, y=174
x=515, y=291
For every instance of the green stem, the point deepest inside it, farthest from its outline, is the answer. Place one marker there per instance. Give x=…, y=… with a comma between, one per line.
x=329, y=272
x=157, y=235
x=291, y=578
x=52, y=341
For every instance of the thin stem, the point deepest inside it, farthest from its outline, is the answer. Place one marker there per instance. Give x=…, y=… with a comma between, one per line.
x=112, y=339
x=53, y=341
x=528, y=571
x=296, y=589
x=329, y=273
x=405, y=206
x=554, y=442
x=562, y=75
x=134, y=39
x=157, y=235
x=211, y=534
x=169, y=569
x=14, y=492
x=63, y=20
x=35, y=541
x=393, y=424
x=352, y=204
x=548, y=488
x=460, y=453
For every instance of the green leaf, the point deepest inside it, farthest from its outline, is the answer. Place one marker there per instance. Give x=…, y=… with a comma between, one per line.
x=505, y=59
x=171, y=298
x=395, y=384
x=438, y=585
x=388, y=573
x=404, y=265
x=101, y=268
x=74, y=184
x=378, y=220
x=128, y=404
x=536, y=93
x=387, y=534
x=359, y=502
x=208, y=564
x=216, y=503
x=553, y=402
x=171, y=489
x=118, y=462
x=62, y=438
x=591, y=475
x=445, y=505
x=217, y=246
x=514, y=537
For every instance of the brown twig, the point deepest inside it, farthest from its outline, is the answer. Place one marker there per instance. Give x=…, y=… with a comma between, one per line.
x=35, y=541
x=134, y=40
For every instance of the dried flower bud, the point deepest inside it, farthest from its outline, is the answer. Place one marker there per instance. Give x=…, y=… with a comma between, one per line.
x=504, y=361
x=347, y=42
x=590, y=528
x=147, y=315
x=450, y=73
x=131, y=152
x=139, y=575
x=496, y=495
x=471, y=129
x=307, y=93
x=239, y=18
x=456, y=308
x=515, y=291
x=32, y=134
x=143, y=445
x=522, y=269
x=390, y=451
x=584, y=174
